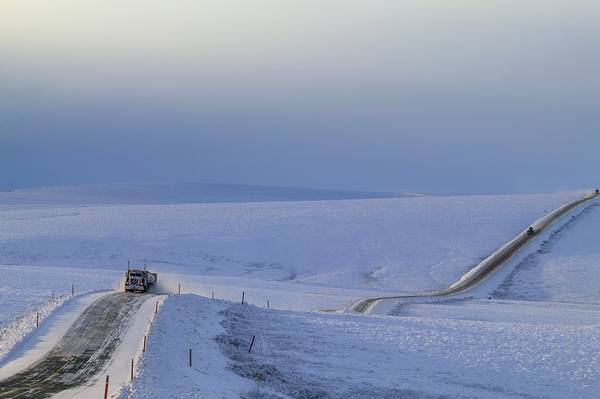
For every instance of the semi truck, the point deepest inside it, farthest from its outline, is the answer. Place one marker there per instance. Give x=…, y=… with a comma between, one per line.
x=137, y=280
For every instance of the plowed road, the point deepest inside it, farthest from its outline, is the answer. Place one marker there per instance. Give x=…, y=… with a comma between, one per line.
x=487, y=266
x=81, y=353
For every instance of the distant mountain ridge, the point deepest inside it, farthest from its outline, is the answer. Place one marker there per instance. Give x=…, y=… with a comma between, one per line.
x=178, y=193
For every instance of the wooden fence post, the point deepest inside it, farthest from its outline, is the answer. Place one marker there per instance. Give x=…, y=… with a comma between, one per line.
x=106, y=387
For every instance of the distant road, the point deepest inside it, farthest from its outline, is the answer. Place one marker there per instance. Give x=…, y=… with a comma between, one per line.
x=83, y=352
x=488, y=265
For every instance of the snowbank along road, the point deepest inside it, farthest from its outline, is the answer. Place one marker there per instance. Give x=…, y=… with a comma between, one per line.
x=81, y=353
x=488, y=265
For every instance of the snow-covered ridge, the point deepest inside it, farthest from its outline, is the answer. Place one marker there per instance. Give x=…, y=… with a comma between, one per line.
x=515, y=243
x=179, y=193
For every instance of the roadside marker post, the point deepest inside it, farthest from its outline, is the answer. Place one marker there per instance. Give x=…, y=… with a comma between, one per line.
x=243, y=297
x=132, y=369
x=268, y=304
x=179, y=289
x=190, y=358
x=72, y=290
x=52, y=295
x=144, y=348
x=251, y=343
x=156, y=309
x=37, y=319
x=106, y=387
x=213, y=295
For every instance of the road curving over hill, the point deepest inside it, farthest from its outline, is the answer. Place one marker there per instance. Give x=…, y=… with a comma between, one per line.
x=82, y=353
x=488, y=265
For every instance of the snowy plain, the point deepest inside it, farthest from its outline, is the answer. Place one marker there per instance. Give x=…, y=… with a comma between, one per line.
x=305, y=256
x=475, y=350
x=398, y=244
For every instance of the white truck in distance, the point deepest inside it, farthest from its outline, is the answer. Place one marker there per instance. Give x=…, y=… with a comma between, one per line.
x=139, y=280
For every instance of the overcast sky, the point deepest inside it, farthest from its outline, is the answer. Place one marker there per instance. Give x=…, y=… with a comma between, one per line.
x=437, y=96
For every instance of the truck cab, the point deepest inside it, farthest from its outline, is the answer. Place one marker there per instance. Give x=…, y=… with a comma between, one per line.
x=139, y=280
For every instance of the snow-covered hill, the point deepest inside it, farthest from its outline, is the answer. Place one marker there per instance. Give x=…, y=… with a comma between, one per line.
x=308, y=255
x=180, y=193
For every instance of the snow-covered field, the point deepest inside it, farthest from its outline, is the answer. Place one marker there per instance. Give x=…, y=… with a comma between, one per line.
x=394, y=245
x=309, y=255
x=165, y=372
x=475, y=348
x=479, y=350
x=400, y=244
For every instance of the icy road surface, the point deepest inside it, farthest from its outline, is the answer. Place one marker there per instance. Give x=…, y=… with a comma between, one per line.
x=85, y=349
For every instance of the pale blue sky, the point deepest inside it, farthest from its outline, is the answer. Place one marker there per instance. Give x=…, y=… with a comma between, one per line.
x=436, y=96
